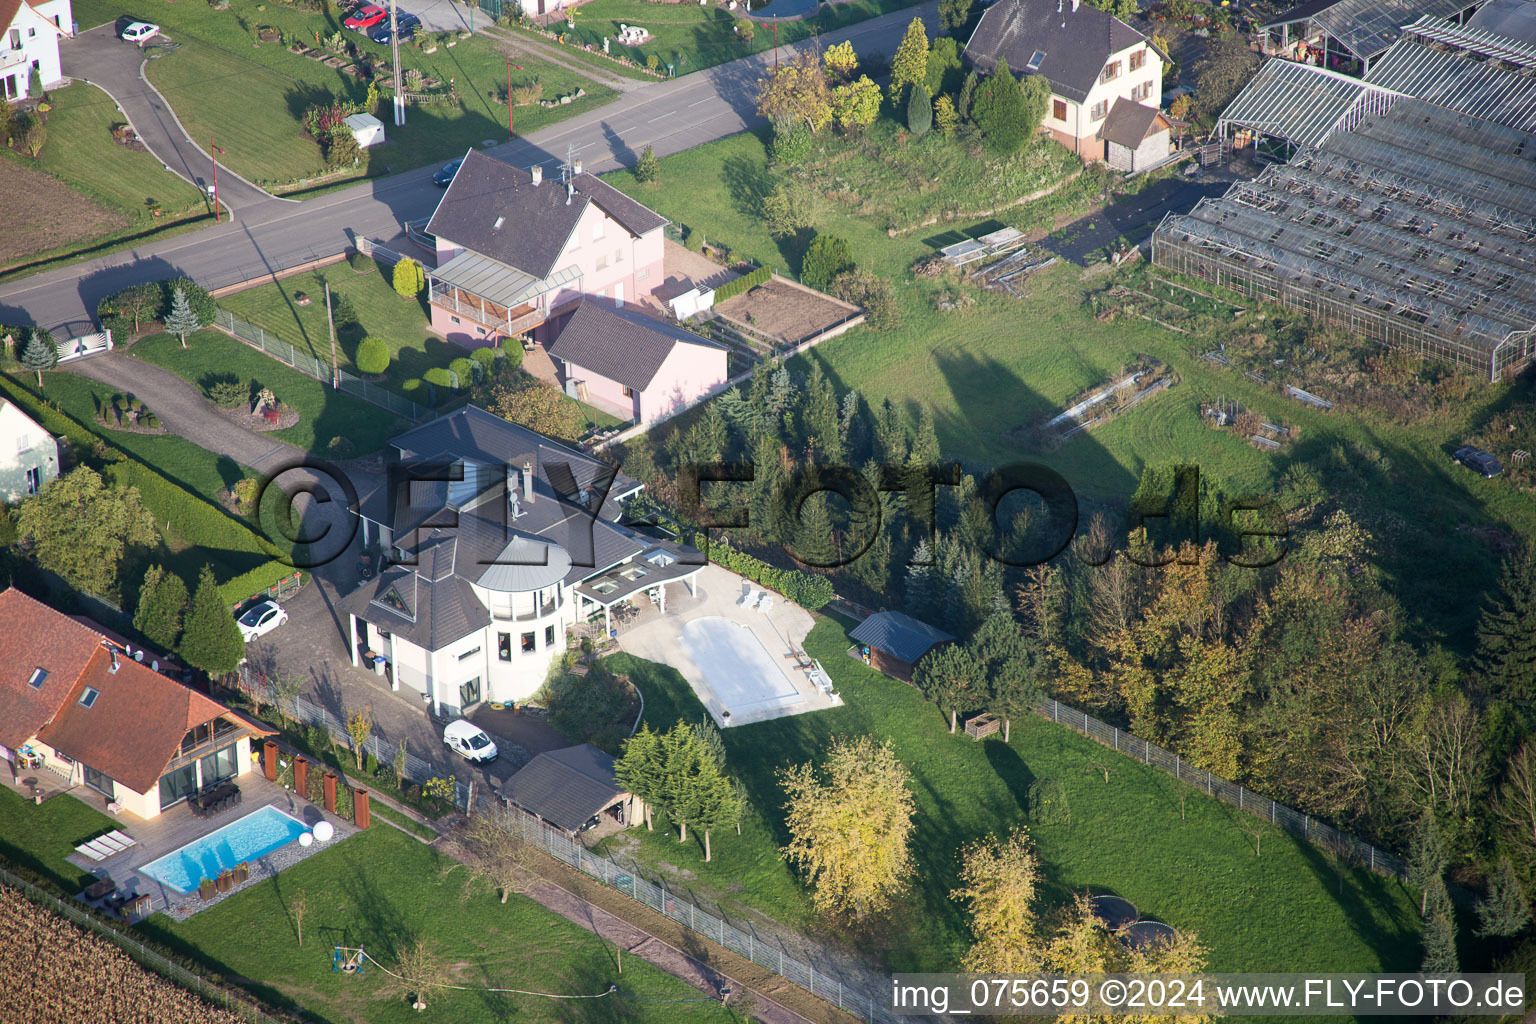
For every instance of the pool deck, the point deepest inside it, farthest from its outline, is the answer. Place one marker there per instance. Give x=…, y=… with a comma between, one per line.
x=658, y=636
x=178, y=826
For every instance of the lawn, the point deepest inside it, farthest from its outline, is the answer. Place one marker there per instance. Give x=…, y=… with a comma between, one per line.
x=380, y=889
x=1180, y=856
x=39, y=838
x=248, y=95
x=114, y=180
x=693, y=38
x=325, y=414
x=1003, y=362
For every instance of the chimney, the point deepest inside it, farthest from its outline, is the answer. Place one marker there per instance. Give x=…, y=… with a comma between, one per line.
x=575, y=168
x=114, y=668
x=528, y=482
x=537, y=170
x=570, y=190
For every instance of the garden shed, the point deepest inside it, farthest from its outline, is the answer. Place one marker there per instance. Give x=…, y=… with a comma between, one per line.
x=573, y=789
x=894, y=642
x=366, y=129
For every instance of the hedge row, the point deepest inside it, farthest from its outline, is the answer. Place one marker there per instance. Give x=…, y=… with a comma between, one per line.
x=807, y=590
x=197, y=521
x=736, y=286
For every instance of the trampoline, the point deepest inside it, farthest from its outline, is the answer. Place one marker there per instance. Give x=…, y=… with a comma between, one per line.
x=1114, y=912
x=742, y=676
x=1146, y=934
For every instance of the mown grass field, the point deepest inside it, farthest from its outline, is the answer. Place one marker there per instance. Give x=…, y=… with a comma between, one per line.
x=1177, y=854
x=381, y=890
x=248, y=95
x=324, y=413
x=1004, y=362
x=40, y=838
x=80, y=153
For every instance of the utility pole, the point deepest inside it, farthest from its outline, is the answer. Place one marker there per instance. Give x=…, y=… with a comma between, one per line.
x=510, y=66
x=394, y=49
x=214, y=152
x=331, y=323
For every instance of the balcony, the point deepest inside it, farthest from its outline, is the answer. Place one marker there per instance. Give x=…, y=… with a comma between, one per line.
x=544, y=610
x=517, y=320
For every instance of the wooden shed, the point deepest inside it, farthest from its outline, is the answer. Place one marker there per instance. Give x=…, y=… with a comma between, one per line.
x=894, y=642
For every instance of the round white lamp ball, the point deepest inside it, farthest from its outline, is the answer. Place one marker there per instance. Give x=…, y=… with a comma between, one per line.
x=306, y=839
x=324, y=830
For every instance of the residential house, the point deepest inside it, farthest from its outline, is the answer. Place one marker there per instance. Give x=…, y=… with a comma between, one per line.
x=573, y=789
x=31, y=33
x=515, y=249
x=76, y=704
x=1094, y=62
x=29, y=456
x=635, y=366
x=501, y=543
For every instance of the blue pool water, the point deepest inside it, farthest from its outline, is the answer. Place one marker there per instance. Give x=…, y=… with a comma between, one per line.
x=251, y=838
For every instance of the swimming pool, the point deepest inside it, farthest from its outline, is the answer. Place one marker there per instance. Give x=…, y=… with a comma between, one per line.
x=251, y=838
x=740, y=672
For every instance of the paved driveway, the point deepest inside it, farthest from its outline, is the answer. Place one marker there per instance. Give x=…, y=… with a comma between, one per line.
x=116, y=67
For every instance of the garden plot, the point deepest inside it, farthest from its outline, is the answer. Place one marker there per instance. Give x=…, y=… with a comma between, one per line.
x=787, y=314
x=1106, y=401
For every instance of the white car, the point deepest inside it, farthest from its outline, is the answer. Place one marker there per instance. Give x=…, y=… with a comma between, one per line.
x=465, y=738
x=138, y=31
x=261, y=619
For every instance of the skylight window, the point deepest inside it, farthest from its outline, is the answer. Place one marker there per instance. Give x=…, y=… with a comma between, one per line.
x=38, y=676
x=89, y=696
x=1035, y=61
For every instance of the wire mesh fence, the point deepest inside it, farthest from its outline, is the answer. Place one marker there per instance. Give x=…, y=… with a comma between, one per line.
x=300, y=709
x=854, y=994
x=282, y=351
x=209, y=991
x=1341, y=844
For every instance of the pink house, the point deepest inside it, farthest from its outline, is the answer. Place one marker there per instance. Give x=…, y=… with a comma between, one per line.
x=633, y=365
x=515, y=248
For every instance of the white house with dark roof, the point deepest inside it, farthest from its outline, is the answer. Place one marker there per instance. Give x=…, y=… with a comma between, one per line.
x=1096, y=64
x=633, y=365
x=29, y=456
x=499, y=542
x=516, y=248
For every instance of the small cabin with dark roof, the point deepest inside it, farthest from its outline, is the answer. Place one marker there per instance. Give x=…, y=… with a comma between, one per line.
x=895, y=642
x=573, y=789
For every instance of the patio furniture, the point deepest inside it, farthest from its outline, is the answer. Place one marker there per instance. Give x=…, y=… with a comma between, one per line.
x=109, y=843
x=749, y=601
x=114, y=903
x=766, y=604
x=138, y=905
x=99, y=888
x=87, y=850
x=100, y=850
x=122, y=838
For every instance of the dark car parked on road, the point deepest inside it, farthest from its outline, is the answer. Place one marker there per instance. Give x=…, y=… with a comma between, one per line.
x=444, y=177
x=408, y=24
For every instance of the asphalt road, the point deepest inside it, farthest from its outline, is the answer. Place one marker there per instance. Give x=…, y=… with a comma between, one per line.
x=268, y=236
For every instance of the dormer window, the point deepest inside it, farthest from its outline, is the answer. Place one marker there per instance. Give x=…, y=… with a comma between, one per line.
x=39, y=676
x=1035, y=61
x=392, y=599
x=89, y=696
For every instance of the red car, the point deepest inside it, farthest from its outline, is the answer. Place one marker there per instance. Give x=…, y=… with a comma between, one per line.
x=366, y=18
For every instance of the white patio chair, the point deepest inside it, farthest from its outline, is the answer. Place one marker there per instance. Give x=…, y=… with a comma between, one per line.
x=766, y=604
x=102, y=850
x=109, y=844
x=750, y=598
x=87, y=850
x=121, y=838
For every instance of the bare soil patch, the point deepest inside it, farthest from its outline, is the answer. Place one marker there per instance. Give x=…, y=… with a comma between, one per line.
x=41, y=213
x=287, y=416
x=786, y=311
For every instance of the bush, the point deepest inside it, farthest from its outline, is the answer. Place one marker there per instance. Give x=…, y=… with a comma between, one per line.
x=511, y=351
x=647, y=168
x=826, y=257
x=487, y=358
x=361, y=262
x=464, y=369
x=580, y=706
x=791, y=143
x=202, y=304
x=372, y=356
x=745, y=283
x=227, y=391
x=919, y=110
x=341, y=447
x=789, y=208
x=863, y=288
x=412, y=388
x=386, y=776
x=408, y=278
x=371, y=764
x=1000, y=111
x=808, y=590
x=439, y=377
x=341, y=148
x=693, y=241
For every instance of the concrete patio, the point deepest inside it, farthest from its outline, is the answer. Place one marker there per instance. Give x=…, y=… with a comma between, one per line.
x=177, y=827
x=658, y=636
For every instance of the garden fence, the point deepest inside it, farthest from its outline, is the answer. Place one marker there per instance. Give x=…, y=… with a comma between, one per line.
x=308, y=365
x=855, y=995
x=1277, y=814
x=301, y=709
x=209, y=991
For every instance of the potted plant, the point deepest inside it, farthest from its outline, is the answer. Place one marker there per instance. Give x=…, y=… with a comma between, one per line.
x=206, y=889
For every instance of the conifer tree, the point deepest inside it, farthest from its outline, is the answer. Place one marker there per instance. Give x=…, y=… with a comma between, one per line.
x=162, y=603
x=181, y=321
x=211, y=641
x=40, y=353
x=1504, y=912
x=639, y=770
x=1506, y=634
x=910, y=65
